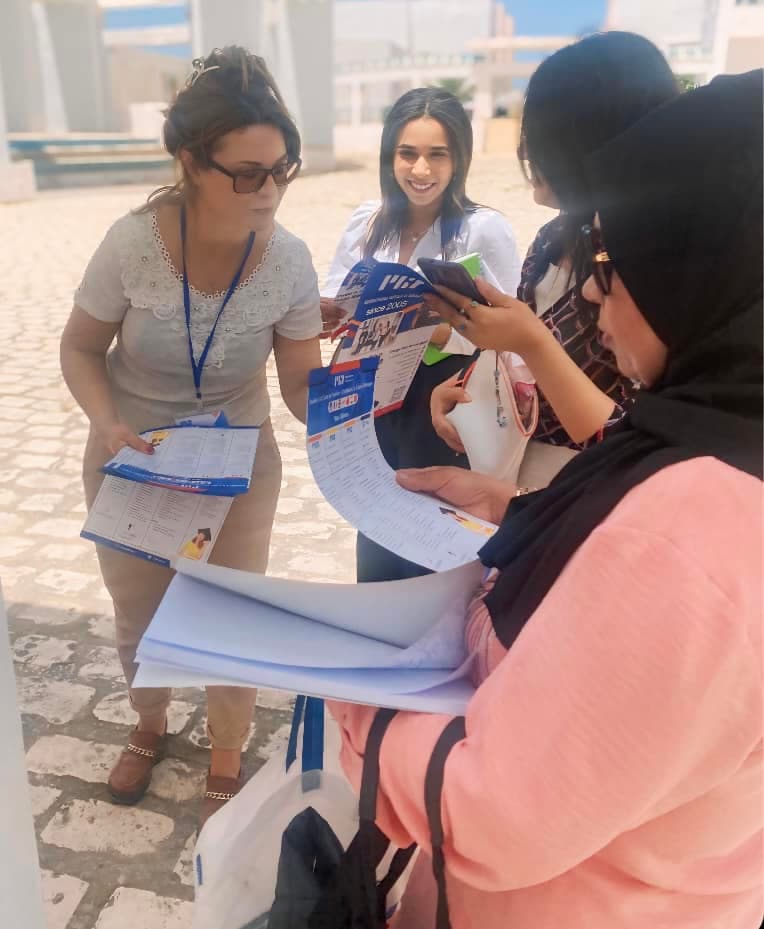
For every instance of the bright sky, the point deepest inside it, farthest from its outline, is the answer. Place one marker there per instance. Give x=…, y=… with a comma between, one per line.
x=555, y=17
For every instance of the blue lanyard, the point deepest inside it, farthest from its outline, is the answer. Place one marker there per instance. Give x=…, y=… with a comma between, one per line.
x=197, y=367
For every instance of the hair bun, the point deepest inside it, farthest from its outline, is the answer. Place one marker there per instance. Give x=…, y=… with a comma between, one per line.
x=237, y=70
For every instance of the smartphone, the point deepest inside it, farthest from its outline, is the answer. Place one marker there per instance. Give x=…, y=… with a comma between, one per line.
x=450, y=274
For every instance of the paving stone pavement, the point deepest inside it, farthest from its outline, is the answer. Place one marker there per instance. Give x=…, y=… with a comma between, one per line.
x=103, y=866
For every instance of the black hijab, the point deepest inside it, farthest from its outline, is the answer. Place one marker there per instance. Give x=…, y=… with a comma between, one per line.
x=679, y=196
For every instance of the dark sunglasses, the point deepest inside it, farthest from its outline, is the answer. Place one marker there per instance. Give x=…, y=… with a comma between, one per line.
x=249, y=182
x=601, y=262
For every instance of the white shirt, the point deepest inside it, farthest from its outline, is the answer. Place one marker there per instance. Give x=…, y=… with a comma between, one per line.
x=131, y=280
x=485, y=231
x=552, y=287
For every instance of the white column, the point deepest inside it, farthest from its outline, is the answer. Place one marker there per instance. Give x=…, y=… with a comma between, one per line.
x=725, y=11
x=308, y=30
x=17, y=182
x=20, y=64
x=482, y=100
x=20, y=893
x=195, y=15
x=53, y=97
x=356, y=102
x=295, y=38
x=74, y=64
x=5, y=155
x=217, y=23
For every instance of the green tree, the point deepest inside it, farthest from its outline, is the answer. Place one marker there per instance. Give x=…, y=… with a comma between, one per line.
x=457, y=86
x=686, y=83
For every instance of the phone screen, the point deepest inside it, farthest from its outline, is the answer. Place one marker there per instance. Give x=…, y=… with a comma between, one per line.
x=452, y=275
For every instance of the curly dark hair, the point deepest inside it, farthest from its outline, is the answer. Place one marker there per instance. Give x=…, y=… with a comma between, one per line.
x=229, y=89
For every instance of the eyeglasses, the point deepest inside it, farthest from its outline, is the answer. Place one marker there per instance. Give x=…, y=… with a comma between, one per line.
x=601, y=262
x=249, y=182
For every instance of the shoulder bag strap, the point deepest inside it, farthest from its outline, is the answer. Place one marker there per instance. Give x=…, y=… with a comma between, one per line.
x=312, y=710
x=433, y=788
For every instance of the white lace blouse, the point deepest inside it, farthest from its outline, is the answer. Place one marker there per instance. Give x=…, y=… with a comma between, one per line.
x=131, y=280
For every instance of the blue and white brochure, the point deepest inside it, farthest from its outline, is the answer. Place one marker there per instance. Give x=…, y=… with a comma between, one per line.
x=153, y=523
x=354, y=477
x=388, y=320
x=192, y=459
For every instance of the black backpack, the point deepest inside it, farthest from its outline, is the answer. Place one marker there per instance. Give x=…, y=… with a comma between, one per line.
x=320, y=885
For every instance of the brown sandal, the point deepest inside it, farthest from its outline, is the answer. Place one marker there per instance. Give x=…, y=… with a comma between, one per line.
x=131, y=775
x=218, y=792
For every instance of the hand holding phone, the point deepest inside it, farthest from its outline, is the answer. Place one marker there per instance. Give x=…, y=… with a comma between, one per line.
x=452, y=275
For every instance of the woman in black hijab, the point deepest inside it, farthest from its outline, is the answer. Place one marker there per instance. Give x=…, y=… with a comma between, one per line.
x=680, y=216
x=612, y=770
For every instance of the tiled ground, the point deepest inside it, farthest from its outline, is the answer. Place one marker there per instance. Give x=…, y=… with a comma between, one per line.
x=106, y=867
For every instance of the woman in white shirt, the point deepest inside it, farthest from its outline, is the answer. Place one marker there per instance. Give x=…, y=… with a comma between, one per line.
x=425, y=155
x=198, y=287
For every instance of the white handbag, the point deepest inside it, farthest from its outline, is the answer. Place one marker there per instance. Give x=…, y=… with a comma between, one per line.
x=495, y=427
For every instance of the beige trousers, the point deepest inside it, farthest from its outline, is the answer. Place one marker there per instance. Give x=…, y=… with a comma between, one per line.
x=136, y=587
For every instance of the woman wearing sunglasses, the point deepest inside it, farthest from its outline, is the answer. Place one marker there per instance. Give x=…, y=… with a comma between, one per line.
x=198, y=287
x=611, y=773
x=576, y=100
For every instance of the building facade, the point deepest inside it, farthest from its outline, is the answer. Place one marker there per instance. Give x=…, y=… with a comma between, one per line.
x=53, y=66
x=700, y=38
x=151, y=43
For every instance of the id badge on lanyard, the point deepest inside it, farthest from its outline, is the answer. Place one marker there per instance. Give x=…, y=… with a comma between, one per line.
x=197, y=367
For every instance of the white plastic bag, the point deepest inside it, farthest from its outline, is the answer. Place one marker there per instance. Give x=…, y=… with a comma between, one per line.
x=237, y=855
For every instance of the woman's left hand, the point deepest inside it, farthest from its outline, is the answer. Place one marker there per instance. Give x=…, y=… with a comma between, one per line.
x=507, y=325
x=331, y=317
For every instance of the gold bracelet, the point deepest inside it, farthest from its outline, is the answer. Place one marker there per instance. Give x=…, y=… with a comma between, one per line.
x=521, y=491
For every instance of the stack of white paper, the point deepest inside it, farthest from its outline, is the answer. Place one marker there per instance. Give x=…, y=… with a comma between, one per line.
x=398, y=643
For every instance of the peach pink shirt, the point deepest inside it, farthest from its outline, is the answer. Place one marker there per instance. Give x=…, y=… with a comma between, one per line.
x=611, y=777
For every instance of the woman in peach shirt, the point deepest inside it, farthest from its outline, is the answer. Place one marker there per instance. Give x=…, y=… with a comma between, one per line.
x=611, y=774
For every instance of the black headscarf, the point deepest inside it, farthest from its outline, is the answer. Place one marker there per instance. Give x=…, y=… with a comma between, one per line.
x=679, y=197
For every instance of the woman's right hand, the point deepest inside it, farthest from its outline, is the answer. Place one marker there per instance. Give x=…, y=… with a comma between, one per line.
x=477, y=494
x=443, y=399
x=331, y=316
x=503, y=324
x=119, y=436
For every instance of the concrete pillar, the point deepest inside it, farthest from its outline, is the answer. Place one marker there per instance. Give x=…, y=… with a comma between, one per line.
x=76, y=34
x=54, y=66
x=20, y=893
x=20, y=69
x=53, y=98
x=482, y=100
x=309, y=29
x=296, y=39
x=356, y=102
x=216, y=23
x=17, y=182
x=718, y=34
